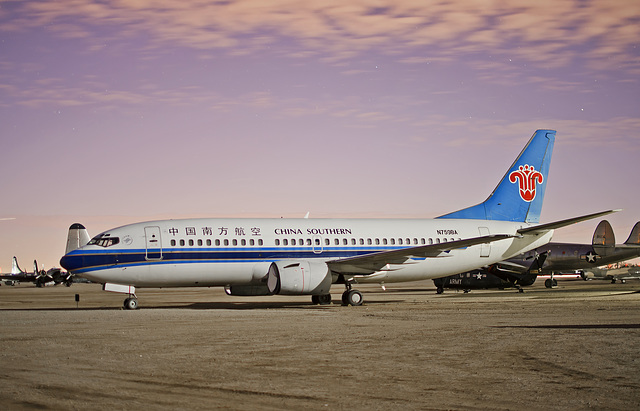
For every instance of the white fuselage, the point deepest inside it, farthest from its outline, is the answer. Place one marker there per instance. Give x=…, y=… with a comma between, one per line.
x=222, y=252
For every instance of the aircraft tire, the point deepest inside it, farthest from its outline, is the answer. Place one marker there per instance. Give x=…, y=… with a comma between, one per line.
x=548, y=283
x=439, y=290
x=131, y=304
x=324, y=299
x=315, y=299
x=352, y=297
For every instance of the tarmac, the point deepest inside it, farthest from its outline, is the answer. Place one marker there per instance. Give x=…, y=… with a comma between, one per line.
x=572, y=347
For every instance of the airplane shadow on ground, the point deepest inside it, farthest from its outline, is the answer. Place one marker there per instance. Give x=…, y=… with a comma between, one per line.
x=573, y=326
x=210, y=306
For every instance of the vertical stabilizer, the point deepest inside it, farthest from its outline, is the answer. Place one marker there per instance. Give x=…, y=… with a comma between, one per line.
x=15, y=268
x=78, y=236
x=634, y=237
x=603, y=236
x=519, y=195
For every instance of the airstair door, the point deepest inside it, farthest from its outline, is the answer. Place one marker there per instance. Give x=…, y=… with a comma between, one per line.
x=154, y=243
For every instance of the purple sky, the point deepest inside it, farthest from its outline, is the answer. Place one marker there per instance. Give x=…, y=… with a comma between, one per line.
x=114, y=112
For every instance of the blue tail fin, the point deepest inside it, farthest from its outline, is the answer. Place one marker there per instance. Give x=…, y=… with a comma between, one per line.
x=519, y=195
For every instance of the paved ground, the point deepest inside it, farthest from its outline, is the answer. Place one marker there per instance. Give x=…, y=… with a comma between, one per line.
x=573, y=347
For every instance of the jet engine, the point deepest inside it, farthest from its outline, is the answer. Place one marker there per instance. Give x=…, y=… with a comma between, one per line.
x=299, y=277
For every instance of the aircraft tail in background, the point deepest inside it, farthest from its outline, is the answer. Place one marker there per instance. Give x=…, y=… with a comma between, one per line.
x=520, y=193
x=603, y=236
x=77, y=237
x=634, y=237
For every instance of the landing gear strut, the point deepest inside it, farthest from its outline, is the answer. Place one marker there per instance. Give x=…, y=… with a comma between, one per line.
x=351, y=296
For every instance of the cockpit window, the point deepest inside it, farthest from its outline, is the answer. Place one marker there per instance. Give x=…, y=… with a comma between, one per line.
x=104, y=240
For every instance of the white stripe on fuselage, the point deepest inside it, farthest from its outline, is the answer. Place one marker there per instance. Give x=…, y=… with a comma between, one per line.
x=250, y=259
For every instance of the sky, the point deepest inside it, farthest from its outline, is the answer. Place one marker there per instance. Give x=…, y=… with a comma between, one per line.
x=114, y=112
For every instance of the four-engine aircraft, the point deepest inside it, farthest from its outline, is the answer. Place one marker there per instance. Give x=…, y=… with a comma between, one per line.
x=572, y=259
x=306, y=256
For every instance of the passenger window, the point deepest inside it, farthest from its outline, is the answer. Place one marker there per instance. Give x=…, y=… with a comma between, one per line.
x=437, y=241
x=260, y=242
x=226, y=242
x=327, y=241
x=208, y=242
x=243, y=242
x=277, y=242
x=415, y=241
x=317, y=241
x=431, y=241
x=345, y=241
x=285, y=242
x=235, y=242
x=384, y=241
x=337, y=241
x=252, y=242
x=308, y=241
x=173, y=243
x=393, y=241
x=362, y=241
x=200, y=243
x=353, y=241
x=182, y=243
x=293, y=241
x=369, y=242
x=217, y=242
x=400, y=241
x=422, y=241
x=377, y=241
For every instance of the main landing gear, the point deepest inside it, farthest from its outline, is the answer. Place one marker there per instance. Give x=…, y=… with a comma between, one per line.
x=351, y=296
x=323, y=299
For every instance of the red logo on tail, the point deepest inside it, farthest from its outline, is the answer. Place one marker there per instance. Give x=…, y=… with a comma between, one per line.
x=527, y=177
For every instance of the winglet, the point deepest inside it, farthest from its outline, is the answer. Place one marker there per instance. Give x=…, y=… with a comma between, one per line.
x=519, y=195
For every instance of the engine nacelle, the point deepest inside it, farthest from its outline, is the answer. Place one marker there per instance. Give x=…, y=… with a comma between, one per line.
x=247, y=290
x=299, y=277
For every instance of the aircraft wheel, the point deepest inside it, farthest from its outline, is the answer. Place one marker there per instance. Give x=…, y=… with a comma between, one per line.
x=315, y=299
x=352, y=297
x=439, y=290
x=131, y=304
x=324, y=299
x=548, y=283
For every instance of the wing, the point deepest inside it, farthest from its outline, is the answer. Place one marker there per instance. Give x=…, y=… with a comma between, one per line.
x=369, y=263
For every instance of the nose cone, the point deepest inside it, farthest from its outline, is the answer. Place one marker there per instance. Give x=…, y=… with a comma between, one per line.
x=71, y=262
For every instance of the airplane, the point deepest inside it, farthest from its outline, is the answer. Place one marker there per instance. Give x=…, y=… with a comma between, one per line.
x=562, y=260
x=39, y=277
x=491, y=277
x=306, y=256
x=613, y=274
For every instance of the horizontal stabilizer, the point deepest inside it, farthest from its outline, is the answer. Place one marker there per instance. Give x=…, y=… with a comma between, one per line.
x=603, y=236
x=543, y=228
